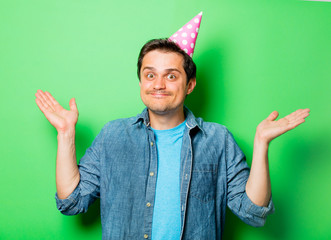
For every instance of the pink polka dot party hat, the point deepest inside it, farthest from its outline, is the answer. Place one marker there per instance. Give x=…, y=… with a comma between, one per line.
x=187, y=35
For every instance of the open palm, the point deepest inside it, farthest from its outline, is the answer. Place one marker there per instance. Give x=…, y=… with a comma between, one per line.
x=59, y=117
x=271, y=128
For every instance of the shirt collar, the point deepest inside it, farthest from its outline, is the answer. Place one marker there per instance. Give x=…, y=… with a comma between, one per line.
x=142, y=117
x=191, y=121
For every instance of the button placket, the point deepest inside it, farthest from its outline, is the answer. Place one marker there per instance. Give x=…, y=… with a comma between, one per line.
x=151, y=183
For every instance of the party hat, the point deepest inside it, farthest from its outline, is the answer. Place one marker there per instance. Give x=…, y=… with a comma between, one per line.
x=186, y=36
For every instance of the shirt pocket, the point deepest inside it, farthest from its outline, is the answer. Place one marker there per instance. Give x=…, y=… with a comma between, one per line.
x=203, y=182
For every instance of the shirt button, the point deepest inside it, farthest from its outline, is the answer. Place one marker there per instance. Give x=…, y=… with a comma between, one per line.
x=145, y=236
x=152, y=143
x=151, y=174
x=148, y=204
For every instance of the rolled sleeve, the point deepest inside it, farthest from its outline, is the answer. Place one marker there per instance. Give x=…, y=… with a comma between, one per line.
x=76, y=202
x=256, y=215
x=68, y=206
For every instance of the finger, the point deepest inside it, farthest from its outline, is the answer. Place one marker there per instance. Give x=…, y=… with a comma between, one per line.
x=300, y=114
x=41, y=94
x=44, y=109
x=51, y=98
x=42, y=101
x=73, y=105
x=49, y=101
x=296, y=123
x=292, y=115
x=45, y=100
x=296, y=114
x=303, y=115
x=273, y=116
x=41, y=106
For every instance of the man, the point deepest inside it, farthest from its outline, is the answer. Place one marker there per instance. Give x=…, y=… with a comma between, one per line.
x=164, y=174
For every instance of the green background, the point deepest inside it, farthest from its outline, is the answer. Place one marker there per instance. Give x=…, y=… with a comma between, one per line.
x=253, y=57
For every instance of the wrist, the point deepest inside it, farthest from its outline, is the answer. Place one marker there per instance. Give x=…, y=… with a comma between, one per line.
x=260, y=141
x=68, y=133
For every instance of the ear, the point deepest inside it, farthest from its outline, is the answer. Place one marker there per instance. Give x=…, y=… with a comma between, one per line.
x=191, y=85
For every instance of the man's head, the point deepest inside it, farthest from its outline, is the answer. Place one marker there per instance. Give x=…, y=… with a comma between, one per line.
x=163, y=44
x=164, y=81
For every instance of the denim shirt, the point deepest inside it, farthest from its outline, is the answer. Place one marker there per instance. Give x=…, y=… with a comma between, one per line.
x=120, y=168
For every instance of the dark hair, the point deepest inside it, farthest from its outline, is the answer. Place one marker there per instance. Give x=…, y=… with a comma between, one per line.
x=168, y=46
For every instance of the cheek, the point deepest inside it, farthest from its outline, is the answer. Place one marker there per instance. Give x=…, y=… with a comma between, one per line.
x=181, y=90
x=142, y=88
x=145, y=85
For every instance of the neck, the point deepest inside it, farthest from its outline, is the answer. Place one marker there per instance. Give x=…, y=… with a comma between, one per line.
x=166, y=120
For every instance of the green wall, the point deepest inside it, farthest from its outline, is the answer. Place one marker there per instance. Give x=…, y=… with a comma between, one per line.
x=253, y=57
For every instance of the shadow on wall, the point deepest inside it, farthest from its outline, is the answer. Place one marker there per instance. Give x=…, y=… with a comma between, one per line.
x=200, y=100
x=274, y=222
x=84, y=139
x=299, y=197
x=91, y=217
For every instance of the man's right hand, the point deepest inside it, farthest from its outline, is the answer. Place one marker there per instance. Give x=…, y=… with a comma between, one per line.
x=67, y=172
x=62, y=119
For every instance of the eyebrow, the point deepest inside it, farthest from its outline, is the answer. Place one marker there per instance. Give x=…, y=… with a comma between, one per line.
x=167, y=70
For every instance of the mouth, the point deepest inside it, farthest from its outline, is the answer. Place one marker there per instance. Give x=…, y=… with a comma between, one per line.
x=159, y=94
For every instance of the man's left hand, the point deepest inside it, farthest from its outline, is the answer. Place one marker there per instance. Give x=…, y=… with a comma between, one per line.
x=271, y=128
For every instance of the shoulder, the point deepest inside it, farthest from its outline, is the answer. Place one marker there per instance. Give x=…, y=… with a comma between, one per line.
x=125, y=123
x=118, y=125
x=212, y=126
x=212, y=129
x=120, y=122
x=219, y=135
x=218, y=132
x=114, y=130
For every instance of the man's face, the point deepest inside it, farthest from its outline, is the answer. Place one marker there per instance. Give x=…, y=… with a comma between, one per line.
x=163, y=84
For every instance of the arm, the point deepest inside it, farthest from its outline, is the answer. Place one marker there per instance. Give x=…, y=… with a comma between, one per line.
x=258, y=187
x=67, y=174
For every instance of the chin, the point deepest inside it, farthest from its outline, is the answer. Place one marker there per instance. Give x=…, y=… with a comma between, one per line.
x=161, y=107
x=159, y=110
x=162, y=110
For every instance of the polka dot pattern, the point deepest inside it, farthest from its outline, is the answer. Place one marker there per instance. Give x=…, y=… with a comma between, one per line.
x=187, y=35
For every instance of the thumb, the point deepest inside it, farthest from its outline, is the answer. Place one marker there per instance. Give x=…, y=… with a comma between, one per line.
x=73, y=105
x=273, y=116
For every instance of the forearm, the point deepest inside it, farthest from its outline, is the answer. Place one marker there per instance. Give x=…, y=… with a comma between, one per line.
x=67, y=174
x=258, y=187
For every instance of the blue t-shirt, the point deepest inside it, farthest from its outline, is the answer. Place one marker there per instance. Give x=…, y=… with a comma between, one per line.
x=166, y=214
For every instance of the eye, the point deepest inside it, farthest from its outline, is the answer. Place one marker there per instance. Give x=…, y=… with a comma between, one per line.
x=171, y=76
x=150, y=75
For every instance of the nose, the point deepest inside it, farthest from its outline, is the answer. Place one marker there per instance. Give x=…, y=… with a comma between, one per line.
x=159, y=83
